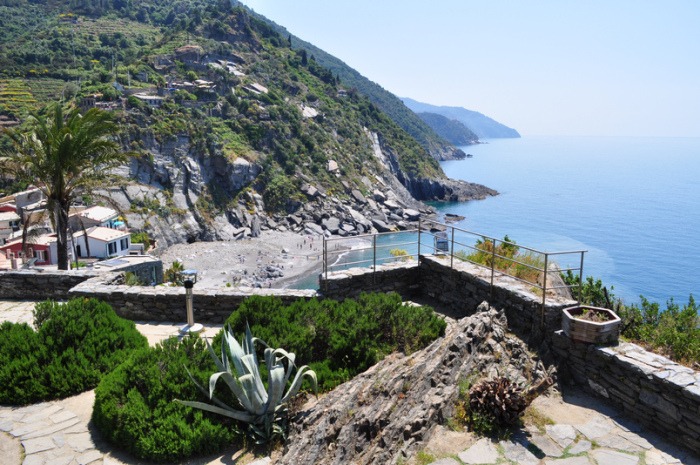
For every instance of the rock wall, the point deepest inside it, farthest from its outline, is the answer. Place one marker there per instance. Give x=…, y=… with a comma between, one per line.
x=651, y=389
x=38, y=286
x=399, y=277
x=168, y=303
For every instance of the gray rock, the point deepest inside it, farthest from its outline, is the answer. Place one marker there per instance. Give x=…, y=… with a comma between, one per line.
x=412, y=215
x=381, y=226
x=581, y=446
x=546, y=445
x=445, y=461
x=569, y=461
x=331, y=224
x=619, y=443
x=378, y=195
x=596, y=428
x=516, y=452
x=481, y=452
x=563, y=435
x=331, y=165
x=309, y=190
x=359, y=198
x=609, y=457
x=313, y=228
x=391, y=205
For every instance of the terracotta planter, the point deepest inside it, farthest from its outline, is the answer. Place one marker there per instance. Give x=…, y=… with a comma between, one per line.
x=590, y=331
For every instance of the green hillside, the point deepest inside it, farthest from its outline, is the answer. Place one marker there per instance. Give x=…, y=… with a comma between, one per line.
x=73, y=52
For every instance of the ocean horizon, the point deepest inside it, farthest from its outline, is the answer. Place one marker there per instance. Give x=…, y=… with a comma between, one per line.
x=631, y=202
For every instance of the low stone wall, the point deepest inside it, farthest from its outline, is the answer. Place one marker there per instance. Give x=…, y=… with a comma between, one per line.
x=164, y=303
x=399, y=277
x=30, y=284
x=653, y=390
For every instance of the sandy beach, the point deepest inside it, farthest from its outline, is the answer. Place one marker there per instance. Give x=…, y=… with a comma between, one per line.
x=250, y=262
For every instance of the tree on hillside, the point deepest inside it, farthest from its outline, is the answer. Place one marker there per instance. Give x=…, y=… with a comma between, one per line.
x=65, y=157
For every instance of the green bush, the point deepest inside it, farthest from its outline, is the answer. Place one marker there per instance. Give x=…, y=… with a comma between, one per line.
x=75, y=344
x=134, y=405
x=338, y=340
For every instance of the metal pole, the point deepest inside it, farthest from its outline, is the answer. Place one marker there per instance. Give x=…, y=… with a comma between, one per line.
x=188, y=302
x=325, y=261
x=580, y=279
x=419, y=228
x=544, y=287
x=452, y=249
x=493, y=263
x=374, y=259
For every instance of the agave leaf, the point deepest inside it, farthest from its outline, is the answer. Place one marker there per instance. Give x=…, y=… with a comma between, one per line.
x=233, y=385
x=296, y=384
x=219, y=365
x=235, y=350
x=204, y=391
x=231, y=413
x=258, y=403
x=275, y=386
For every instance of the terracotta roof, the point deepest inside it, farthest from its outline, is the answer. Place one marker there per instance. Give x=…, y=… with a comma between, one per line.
x=98, y=213
x=104, y=234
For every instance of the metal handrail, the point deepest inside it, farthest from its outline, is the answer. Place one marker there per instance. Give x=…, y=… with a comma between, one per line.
x=451, y=251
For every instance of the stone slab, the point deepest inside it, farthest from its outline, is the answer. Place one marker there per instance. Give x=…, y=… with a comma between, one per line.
x=35, y=459
x=517, y=453
x=29, y=428
x=42, y=414
x=483, y=451
x=596, y=428
x=89, y=457
x=619, y=443
x=62, y=416
x=564, y=435
x=569, y=461
x=581, y=446
x=65, y=460
x=656, y=457
x=80, y=442
x=446, y=461
x=32, y=446
x=52, y=429
x=636, y=439
x=546, y=445
x=610, y=457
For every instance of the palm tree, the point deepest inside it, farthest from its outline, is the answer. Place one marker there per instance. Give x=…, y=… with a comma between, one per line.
x=65, y=158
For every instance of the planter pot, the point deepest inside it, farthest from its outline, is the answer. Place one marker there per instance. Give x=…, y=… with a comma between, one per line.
x=590, y=331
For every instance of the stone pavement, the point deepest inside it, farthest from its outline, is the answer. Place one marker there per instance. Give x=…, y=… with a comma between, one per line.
x=586, y=431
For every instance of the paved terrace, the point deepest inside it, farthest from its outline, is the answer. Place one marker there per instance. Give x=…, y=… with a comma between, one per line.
x=586, y=431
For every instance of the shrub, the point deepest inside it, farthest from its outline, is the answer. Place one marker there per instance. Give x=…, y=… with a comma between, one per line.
x=75, y=344
x=134, y=405
x=338, y=340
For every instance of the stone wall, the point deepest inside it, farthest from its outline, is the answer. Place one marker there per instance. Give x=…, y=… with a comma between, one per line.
x=164, y=303
x=653, y=390
x=40, y=285
x=399, y=277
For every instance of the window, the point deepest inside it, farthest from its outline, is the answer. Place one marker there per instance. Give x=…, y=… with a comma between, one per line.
x=124, y=243
x=111, y=248
x=40, y=255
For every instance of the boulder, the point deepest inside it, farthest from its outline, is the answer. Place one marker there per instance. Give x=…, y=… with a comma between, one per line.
x=331, y=224
x=379, y=196
x=357, y=195
x=391, y=205
x=313, y=229
x=411, y=215
x=331, y=165
x=381, y=225
x=309, y=190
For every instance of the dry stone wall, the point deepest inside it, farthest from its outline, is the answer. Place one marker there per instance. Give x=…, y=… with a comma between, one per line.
x=40, y=285
x=652, y=389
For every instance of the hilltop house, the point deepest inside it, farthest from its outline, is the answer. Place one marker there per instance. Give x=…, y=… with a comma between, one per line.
x=43, y=248
x=103, y=242
x=9, y=222
x=94, y=216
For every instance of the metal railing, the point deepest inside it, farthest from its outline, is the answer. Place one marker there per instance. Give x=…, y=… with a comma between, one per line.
x=496, y=255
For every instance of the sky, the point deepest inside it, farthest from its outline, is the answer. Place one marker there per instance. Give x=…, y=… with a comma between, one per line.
x=565, y=67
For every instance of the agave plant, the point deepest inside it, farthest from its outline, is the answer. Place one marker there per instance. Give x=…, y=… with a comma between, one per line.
x=262, y=407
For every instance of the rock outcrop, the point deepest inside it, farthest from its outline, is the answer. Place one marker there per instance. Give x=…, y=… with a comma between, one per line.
x=390, y=411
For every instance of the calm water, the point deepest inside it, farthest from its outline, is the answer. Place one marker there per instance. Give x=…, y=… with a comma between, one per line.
x=633, y=203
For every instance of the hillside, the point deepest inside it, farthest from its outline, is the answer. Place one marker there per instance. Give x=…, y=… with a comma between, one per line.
x=245, y=133
x=450, y=129
x=437, y=146
x=483, y=126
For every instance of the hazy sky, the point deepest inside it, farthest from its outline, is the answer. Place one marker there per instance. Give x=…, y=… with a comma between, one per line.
x=612, y=67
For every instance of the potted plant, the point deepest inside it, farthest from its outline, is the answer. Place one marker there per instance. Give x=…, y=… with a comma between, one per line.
x=591, y=324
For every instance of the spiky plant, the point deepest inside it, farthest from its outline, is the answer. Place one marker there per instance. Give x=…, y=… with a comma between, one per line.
x=238, y=367
x=503, y=400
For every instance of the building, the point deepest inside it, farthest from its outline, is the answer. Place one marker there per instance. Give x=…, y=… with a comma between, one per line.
x=94, y=216
x=153, y=101
x=102, y=242
x=43, y=248
x=9, y=222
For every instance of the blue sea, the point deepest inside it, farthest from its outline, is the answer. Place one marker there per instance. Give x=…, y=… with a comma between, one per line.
x=632, y=202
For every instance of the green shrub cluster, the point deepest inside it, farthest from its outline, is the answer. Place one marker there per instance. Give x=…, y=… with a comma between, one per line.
x=134, y=405
x=74, y=345
x=338, y=340
x=674, y=332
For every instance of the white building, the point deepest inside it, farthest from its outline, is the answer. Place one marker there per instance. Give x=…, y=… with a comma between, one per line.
x=103, y=242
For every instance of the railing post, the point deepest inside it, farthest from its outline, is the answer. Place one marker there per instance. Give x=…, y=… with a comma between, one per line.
x=580, y=279
x=452, y=249
x=374, y=260
x=493, y=263
x=325, y=263
x=544, y=287
x=419, y=228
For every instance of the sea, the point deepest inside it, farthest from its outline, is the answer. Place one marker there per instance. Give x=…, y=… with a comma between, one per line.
x=632, y=203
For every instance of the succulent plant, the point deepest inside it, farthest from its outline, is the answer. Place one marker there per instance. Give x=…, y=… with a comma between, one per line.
x=238, y=367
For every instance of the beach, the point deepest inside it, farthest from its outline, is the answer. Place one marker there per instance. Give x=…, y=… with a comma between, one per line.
x=273, y=260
